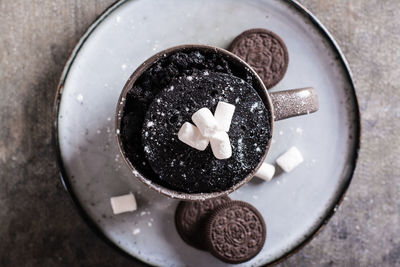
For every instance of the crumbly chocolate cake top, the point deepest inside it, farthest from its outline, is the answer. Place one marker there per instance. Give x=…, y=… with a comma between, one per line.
x=158, y=77
x=187, y=169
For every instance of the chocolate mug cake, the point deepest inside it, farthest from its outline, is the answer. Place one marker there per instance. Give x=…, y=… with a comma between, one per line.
x=164, y=93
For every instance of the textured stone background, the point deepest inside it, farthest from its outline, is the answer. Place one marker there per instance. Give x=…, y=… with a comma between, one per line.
x=39, y=224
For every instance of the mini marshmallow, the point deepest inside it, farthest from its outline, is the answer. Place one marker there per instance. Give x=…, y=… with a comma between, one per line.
x=221, y=145
x=205, y=121
x=290, y=159
x=124, y=203
x=266, y=171
x=223, y=115
x=190, y=135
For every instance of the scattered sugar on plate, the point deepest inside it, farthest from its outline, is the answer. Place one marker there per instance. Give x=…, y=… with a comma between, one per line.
x=136, y=231
x=299, y=131
x=79, y=98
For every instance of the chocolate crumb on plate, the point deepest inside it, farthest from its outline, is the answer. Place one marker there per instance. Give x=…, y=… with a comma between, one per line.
x=265, y=52
x=235, y=232
x=190, y=218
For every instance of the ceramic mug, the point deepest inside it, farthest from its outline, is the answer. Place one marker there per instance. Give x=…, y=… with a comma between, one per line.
x=281, y=105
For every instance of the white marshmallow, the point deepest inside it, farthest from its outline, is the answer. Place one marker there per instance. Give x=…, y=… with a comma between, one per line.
x=223, y=115
x=124, y=203
x=190, y=135
x=266, y=171
x=205, y=121
x=290, y=159
x=221, y=145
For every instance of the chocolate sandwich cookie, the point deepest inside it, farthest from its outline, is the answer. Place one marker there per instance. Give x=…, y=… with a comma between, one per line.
x=190, y=218
x=235, y=232
x=265, y=52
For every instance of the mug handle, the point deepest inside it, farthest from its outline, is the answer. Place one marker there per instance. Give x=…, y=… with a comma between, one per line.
x=290, y=103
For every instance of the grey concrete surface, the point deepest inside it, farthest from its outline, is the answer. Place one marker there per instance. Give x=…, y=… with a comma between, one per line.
x=39, y=224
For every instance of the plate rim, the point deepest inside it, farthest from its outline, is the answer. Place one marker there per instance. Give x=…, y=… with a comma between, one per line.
x=91, y=222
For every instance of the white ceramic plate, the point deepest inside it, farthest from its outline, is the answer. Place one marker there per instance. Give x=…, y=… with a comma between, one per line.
x=294, y=205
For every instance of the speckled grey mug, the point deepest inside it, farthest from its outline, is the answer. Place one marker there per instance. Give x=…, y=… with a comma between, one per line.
x=282, y=105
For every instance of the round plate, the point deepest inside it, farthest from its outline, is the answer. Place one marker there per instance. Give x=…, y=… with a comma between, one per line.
x=295, y=205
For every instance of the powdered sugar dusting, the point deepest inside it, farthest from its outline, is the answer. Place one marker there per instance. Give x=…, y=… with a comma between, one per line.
x=79, y=98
